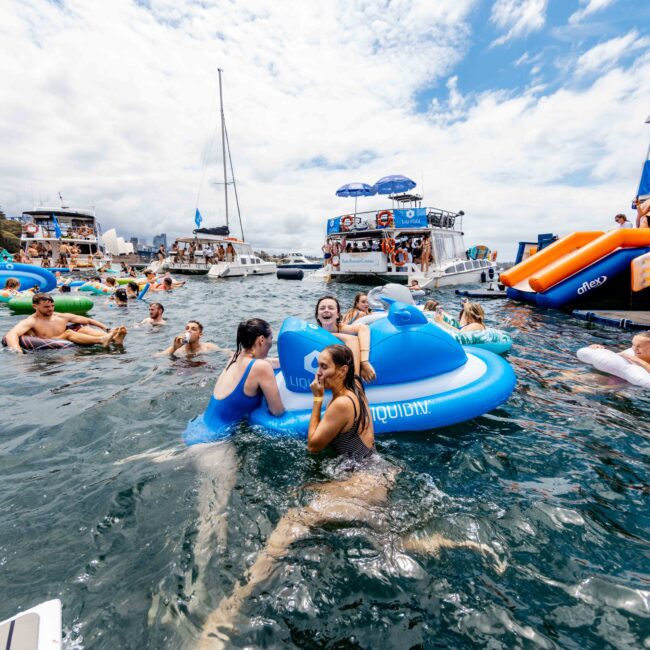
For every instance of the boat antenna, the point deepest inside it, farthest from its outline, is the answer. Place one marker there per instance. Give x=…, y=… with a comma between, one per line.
x=234, y=185
x=223, y=146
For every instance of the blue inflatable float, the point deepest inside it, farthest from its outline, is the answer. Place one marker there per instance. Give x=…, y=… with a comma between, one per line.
x=29, y=275
x=425, y=379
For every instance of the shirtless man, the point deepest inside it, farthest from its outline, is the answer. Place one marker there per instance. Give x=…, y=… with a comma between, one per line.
x=189, y=343
x=166, y=285
x=47, y=324
x=156, y=311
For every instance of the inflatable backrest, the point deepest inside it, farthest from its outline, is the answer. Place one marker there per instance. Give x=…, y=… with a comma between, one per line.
x=299, y=343
x=406, y=347
x=380, y=297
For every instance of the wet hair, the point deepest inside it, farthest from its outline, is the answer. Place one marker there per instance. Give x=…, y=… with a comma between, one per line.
x=338, y=307
x=342, y=357
x=473, y=311
x=248, y=332
x=196, y=322
x=111, y=281
x=65, y=288
x=167, y=282
x=133, y=286
x=120, y=295
x=162, y=311
x=11, y=283
x=430, y=305
x=41, y=297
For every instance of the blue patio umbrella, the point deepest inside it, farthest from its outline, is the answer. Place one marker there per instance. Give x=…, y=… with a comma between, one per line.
x=394, y=184
x=356, y=190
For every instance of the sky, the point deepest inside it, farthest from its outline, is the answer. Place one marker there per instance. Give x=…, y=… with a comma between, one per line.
x=529, y=115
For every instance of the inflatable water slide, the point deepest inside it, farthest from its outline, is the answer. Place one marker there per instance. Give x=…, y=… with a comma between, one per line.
x=586, y=269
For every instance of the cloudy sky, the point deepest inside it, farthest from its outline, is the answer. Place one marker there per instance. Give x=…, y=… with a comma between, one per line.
x=527, y=114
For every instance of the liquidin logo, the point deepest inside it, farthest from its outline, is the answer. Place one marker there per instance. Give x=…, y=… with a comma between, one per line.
x=311, y=362
x=588, y=286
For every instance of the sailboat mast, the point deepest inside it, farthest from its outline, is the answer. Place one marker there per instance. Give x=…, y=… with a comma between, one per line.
x=223, y=146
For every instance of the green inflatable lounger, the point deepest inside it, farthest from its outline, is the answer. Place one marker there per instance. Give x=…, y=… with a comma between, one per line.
x=63, y=304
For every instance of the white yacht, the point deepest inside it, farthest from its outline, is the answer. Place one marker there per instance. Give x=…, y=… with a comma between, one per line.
x=63, y=238
x=298, y=261
x=211, y=251
x=380, y=246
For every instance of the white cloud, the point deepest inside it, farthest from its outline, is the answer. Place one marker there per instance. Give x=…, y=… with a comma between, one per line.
x=605, y=55
x=590, y=7
x=114, y=104
x=519, y=17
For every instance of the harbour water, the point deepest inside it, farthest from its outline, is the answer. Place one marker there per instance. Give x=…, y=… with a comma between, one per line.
x=103, y=507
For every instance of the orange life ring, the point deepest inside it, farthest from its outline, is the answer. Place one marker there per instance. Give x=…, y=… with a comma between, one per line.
x=347, y=221
x=397, y=253
x=84, y=231
x=30, y=228
x=384, y=218
x=387, y=245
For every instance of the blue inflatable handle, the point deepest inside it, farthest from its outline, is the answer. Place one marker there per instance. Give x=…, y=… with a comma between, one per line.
x=143, y=291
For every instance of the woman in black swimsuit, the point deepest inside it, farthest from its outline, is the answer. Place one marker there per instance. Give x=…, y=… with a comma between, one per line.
x=346, y=426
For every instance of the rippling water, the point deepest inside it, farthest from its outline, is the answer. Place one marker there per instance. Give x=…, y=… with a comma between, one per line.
x=103, y=507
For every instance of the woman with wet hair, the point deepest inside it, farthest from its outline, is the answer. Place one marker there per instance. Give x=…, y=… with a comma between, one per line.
x=472, y=318
x=360, y=308
x=356, y=337
x=247, y=377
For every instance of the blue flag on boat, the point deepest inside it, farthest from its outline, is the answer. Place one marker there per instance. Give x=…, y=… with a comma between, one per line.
x=198, y=218
x=57, y=228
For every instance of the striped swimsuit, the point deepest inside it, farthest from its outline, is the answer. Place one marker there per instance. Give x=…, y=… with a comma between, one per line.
x=348, y=443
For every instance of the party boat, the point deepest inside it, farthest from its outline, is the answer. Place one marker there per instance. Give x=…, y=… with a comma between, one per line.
x=46, y=230
x=377, y=246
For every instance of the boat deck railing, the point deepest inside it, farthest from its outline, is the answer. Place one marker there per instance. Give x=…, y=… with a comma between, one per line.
x=436, y=218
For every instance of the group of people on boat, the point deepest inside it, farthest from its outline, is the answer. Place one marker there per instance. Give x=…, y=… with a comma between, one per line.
x=207, y=253
x=642, y=207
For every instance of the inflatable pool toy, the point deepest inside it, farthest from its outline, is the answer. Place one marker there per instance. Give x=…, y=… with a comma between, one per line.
x=62, y=303
x=425, y=379
x=29, y=276
x=143, y=291
x=5, y=255
x=612, y=363
x=15, y=295
x=37, y=344
x=96, y=288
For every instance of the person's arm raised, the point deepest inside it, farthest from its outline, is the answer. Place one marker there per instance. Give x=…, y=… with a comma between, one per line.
x=269, y=388
x=322, y=432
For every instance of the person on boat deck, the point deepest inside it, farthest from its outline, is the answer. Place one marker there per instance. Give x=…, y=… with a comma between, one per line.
x=414, y=285
x=360, y=308
x=191, y=252
x=471, y=319
x=47, y=324
x=32, y=250
x=640, y=353
x=161, y=253
x=221, y=253
x=189, y=343
x=356, y=337
x=642, y=212
x=622, y=221
x=327, y=252
x=156, y=311
x=11, y=288
x=346, y=428
x=426, y=254
x=230, y=253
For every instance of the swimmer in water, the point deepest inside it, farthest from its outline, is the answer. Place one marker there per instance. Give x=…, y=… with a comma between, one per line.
x=360, y=308
x=356, y=337
x=132, y=290
x=346, y=428
x=47, y=324
x=639, y=354
x=472, y=318
x=156, y=311
x=165, y=285
x=11, y=288
x=189, y=343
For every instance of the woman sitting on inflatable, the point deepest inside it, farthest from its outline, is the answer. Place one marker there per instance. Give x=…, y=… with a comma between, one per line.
x=240, y=387
x=472, y=319
x=356, y=337
x=360, y=308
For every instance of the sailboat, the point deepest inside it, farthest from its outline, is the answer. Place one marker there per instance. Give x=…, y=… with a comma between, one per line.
x=212, y=251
